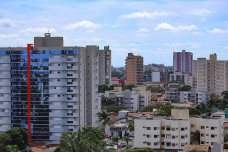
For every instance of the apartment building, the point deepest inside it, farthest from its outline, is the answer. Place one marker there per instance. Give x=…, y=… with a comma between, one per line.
x=194, y=96
x=49, y=89
x=172, y=92
x=210, y=128
x=134, y=69
x=163, y=133
x=174, y=133
x=211, y=74
x=105, y=76
x=133, y=100
x=159, y=75
x=182, y=62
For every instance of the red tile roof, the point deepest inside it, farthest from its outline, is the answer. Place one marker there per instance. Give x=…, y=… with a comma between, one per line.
x=34, y=149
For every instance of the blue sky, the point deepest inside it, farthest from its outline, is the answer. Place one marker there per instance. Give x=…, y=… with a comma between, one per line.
x=152, y=29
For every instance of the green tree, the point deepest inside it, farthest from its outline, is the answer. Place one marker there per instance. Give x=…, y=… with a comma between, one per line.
x=127, y=138
x=165, y=110
x=139, y=150
x=19, y=137
x=225, y=94
x=11, y=148
x=74, y=142
x=185, y=88
x=117, y=74
x=131, y=126
x=114, y=109
x=106, y=101
x=114, y=85
x=196, y=137
x=115, y=140
x=104, y=117
x=102, y=88
x=147, y=75
x=129, y=87
x=5, y=140
x=156, y=89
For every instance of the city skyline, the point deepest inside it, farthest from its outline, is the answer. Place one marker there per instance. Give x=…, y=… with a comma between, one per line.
x=151, y=29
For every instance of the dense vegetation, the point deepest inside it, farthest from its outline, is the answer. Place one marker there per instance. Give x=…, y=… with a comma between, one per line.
x=156, y=89
x=103, y=87
x=139, y=150
x=117, y=74
x=14, y=140
x=185, y=88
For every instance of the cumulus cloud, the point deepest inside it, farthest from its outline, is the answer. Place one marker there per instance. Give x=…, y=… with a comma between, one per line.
x=202, y=12
x=6, y=23
x=166, y=26
x=147, y=14
x=217, y=30
x=82, y=25
x=38, y=30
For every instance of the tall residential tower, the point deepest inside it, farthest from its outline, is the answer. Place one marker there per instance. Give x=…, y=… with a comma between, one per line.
x=61, y=87
x=134, y=69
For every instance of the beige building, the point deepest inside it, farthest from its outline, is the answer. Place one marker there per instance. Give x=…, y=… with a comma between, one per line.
x=211, y=74
x=163, y=133
x=134, y=69
x=174, y=133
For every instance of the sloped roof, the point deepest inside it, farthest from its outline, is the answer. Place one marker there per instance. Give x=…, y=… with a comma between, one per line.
x=201, y=148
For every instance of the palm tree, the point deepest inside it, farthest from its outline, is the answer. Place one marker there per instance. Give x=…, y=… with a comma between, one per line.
x=127, y=138
x=74, y=142
x=104, y=117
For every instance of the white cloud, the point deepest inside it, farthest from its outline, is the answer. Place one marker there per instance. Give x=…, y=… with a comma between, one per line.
x=217, y=30
x=38, y=30
x=202, y=12
x=82, y=25
x=142, y=30
x=178, y=44
x=166, y=26
x=2, y=36
x=5, y=23
x=226, y=47
x=147, y=14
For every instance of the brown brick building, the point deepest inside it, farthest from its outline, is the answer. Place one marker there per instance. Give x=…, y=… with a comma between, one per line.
x=134, y=69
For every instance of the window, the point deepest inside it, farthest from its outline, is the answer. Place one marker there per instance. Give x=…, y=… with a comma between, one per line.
x=212, y=128
x=156, y=128
x=202, y=142
x=163, y=135
x=173, y=129
x=168, y=144
x=168, y=128
x=148, y=128
x=202, y=135
x=155, y=136
x=207, y=127
x=168, y=136
x=212, y=136
x=182, y=137
x=173, y=137
x=202, y=127
x=182, y=144
x=173, y=144
x=182, y=129
x=163, y=143
x=148, y=136
x=155, y=144
x=148, y=143
x=163, y=128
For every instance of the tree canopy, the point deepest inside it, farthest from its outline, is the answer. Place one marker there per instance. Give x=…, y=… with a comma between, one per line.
x=185, y=88
x=139, y=150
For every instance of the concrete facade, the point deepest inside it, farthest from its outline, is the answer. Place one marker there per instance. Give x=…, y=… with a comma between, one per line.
x=64, y=81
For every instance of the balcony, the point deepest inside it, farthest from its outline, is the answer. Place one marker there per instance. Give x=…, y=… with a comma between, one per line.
x=74, y=123
x=57, y=91
x=5, y=83
x=58, y=106
x=3, y=114
x=72, y=106
x=58, y=130
x=55, y=138
x=72, y=91
x=72, y=76
x=5, y=106
x=5, y=60
x=58, y=122
x=57, y=76
x=57, y=114
x=5, y=91
x=57, y=98
x=4, y=68
x=72, y=83
x=57, y=83
x=58, y=68
x=63, y=60
x=5, y=122
x=72, y=99
x=74, y=115
x=4, y=76
x=5, y=98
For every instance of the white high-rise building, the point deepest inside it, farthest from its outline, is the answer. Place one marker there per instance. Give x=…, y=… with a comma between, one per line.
x=63, y=87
